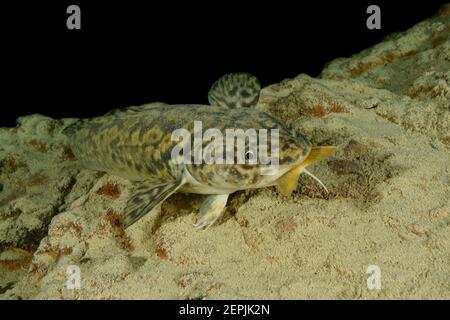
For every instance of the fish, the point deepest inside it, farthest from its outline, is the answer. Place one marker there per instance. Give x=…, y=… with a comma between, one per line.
x=137, y=143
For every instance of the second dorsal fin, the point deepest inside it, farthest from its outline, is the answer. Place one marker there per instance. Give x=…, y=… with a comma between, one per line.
x=235, y=90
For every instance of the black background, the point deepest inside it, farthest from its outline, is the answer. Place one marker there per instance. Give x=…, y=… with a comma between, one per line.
x=291, y=309
x=130, y=53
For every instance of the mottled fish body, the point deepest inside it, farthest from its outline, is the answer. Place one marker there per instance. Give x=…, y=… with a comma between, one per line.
x=137, y=144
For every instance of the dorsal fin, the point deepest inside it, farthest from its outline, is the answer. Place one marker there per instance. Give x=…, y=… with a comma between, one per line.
x=129, y=111
x=235, y=90
x=134, y=109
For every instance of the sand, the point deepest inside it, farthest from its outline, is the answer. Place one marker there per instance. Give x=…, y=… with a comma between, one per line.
x=387, y=109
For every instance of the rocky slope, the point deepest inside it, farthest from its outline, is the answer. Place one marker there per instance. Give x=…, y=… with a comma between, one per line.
x=388, y=111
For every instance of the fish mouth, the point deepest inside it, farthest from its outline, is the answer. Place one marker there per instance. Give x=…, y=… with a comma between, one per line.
x=277, y=170
x=287, y=182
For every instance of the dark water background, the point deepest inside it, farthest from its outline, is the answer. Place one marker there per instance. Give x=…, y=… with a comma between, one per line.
x=129, y=53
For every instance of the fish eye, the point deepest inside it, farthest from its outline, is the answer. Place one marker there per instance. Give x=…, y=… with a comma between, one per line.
x=249, y=155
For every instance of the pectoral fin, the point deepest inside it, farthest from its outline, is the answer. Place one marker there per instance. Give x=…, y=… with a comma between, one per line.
x=145, y=196
x=211, y=210
x=287, y=183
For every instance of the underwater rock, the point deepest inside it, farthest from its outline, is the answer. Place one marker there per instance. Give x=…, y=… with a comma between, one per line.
x=36, y=175
x=386, y=108
x=344, y=166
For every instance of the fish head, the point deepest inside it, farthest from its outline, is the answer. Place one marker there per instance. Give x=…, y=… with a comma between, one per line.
x=254, y=157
